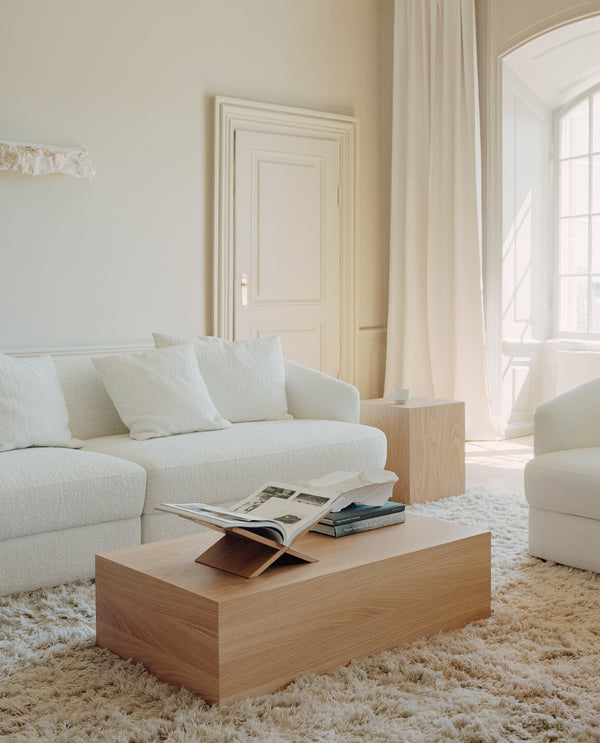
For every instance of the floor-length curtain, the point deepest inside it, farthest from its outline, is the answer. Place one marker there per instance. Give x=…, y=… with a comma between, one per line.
x=435, y=324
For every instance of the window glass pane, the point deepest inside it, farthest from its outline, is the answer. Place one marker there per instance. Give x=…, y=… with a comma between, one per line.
x=573, y=245
x=595, y=183
x=573, y=304
x=574, y=186
x=575, y=131
x=595, y=306
x=596, y=123
x=595, y=244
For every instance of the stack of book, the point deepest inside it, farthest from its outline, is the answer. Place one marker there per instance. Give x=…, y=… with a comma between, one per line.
x=360, y=517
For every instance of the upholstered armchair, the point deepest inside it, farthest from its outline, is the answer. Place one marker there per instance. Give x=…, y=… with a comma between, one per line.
x=562, y=481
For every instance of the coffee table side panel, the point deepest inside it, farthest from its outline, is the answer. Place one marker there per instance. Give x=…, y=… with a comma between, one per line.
x=326, y=622
x=173, y=632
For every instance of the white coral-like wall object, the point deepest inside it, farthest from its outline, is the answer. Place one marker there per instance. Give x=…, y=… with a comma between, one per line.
x=42, y=159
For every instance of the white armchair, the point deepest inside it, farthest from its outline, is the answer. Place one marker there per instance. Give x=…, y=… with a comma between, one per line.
x=562, y=481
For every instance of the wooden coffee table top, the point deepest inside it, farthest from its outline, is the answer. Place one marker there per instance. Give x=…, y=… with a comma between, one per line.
x=173, y=560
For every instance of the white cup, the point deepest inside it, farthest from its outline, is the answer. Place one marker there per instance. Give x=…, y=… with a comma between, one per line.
x=400, y=396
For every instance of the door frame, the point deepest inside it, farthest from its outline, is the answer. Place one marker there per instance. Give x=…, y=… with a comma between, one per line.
x=234, y=114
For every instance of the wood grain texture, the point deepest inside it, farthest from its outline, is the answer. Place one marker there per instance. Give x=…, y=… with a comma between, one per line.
x=247, y=554
x=173, y=632
x=226, y=638
x=426, y=446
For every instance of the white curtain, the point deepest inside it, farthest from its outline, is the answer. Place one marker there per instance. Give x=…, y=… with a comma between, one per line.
x=435, y=325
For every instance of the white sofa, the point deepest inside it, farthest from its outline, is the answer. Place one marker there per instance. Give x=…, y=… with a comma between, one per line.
x=562, y=481
x=59, y=506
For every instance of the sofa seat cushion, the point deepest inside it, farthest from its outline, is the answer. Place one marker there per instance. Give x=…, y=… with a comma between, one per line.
x=43, y=490
x=227, y=465
x=565, y=482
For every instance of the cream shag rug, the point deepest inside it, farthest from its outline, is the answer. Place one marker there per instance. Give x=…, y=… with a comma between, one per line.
x=531, y=672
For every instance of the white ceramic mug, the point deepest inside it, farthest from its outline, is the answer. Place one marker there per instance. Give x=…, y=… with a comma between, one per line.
x=400, y=396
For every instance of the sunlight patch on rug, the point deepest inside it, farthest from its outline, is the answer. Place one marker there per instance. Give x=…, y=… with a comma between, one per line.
x=528, y=673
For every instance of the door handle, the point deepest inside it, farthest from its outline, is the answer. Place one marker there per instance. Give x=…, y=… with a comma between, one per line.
x=244, y=284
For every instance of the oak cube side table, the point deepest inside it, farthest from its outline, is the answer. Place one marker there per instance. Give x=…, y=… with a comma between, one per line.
x=426, y=445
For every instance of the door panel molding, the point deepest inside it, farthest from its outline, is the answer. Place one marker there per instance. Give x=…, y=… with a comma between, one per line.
x=309, y=338
x=316, y=167
x=235, y=115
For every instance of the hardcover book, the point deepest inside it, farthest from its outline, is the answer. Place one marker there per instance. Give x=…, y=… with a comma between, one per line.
x=360, y=511
x=360, y=525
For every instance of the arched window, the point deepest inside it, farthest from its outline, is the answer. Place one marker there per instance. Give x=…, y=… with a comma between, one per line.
x=578, y=217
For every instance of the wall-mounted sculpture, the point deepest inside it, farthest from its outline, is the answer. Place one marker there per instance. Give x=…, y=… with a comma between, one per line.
x=42, y=159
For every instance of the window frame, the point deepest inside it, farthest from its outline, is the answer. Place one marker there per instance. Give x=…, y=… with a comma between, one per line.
x=558, y=115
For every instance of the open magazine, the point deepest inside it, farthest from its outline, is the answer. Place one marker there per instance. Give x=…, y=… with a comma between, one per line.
x=282, y=511
x=276, y=511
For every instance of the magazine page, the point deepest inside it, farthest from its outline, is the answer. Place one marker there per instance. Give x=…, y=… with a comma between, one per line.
x=225, y=519
x=294, y=509
x=371, y=487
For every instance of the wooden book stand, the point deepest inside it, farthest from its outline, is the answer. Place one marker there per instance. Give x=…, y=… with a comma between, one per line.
x=248, y=554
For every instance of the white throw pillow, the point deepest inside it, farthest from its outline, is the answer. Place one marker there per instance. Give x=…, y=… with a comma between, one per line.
x=159, y=393
x=33, y=411
x=246, y=379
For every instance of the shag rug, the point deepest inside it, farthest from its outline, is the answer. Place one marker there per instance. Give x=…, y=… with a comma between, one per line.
x=531, y=672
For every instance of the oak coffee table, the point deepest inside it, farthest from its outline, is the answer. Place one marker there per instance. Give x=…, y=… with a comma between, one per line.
x=226, y=637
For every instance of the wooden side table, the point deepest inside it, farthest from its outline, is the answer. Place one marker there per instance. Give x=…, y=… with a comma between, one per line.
x=426, y=446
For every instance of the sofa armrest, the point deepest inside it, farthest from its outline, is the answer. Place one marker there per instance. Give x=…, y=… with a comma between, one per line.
x=312, y=394
x=568, y=421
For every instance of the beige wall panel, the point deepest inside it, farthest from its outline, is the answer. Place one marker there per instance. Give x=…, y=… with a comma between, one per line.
x=371, y=369
x=112, y=259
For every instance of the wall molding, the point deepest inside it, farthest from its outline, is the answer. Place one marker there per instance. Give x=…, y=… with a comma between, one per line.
x=98, y=349
x=563, y=17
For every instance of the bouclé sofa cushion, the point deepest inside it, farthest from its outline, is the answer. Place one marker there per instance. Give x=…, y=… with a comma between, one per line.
x=52, y=489
x=159, y=393
x=33, y=411
x=245, y=379
x=226, y=466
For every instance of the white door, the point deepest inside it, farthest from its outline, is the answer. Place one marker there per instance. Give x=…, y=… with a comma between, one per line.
x=287, y=244
x=285, y=252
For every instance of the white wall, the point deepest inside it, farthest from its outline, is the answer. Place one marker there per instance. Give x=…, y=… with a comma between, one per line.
x=109, y=260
